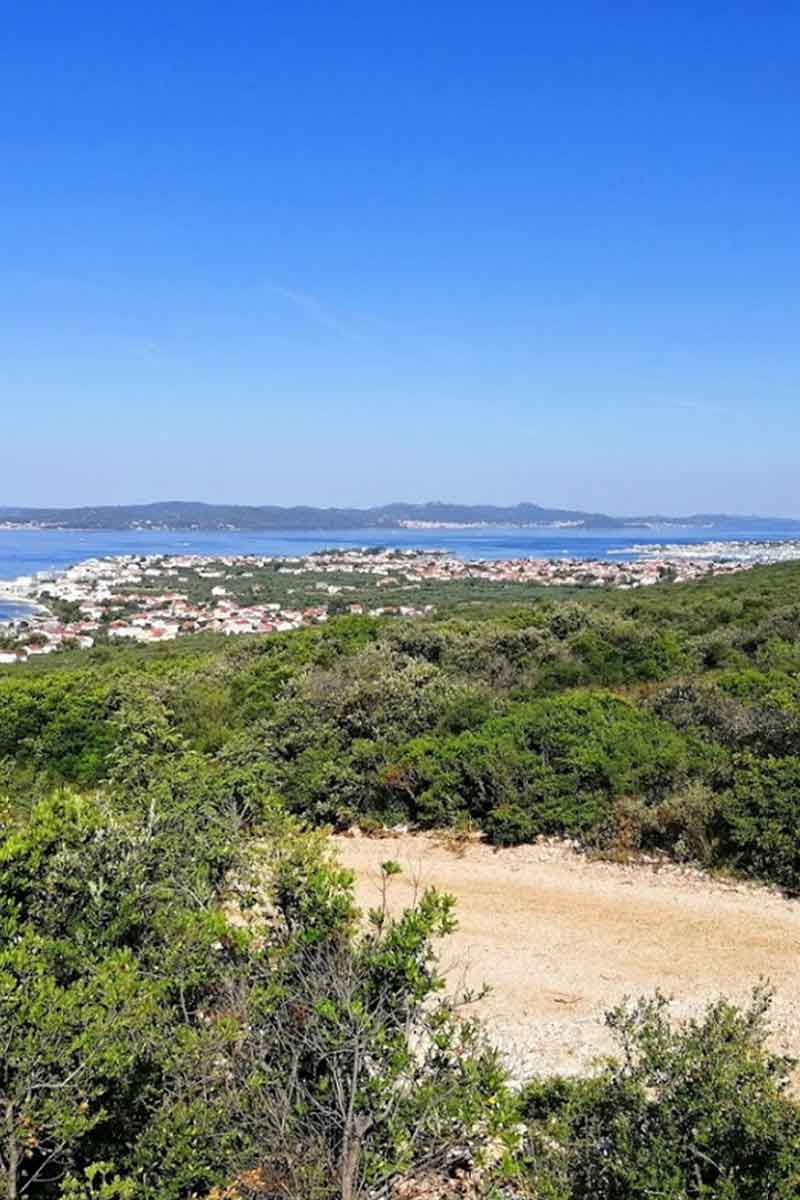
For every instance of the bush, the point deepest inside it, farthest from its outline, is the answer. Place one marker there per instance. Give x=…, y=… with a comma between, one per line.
x=687, y=825
x=761, y=815
x=692, y=1112
x=509, y=825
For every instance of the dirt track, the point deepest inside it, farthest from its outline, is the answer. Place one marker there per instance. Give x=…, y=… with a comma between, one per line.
x=561, y=939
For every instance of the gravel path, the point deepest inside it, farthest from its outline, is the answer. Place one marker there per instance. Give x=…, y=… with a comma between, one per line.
x=562, y=939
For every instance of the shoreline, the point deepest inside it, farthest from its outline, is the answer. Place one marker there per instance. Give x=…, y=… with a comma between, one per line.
x=727, y=557
x=741, y=551
x=34, y=608
x=116, y=595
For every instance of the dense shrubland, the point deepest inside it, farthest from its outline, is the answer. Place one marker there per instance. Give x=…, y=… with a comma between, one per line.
x=662, y=721
x=156, y=1044
x=189, y=1004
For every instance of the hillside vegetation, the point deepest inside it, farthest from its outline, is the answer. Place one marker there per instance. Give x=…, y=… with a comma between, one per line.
x=664, y=720
x=189, y=1005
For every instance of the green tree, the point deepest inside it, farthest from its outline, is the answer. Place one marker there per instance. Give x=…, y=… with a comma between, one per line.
x=64, y=1048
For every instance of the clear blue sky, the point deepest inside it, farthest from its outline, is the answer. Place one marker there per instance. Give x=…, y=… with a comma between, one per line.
x=350, y=253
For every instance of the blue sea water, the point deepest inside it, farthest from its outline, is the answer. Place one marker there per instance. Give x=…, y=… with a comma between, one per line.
x=13, y=612
x=22, y=552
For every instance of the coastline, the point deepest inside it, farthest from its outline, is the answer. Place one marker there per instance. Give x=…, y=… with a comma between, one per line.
x=19, y=602
x=14, y=609
x=228, y=585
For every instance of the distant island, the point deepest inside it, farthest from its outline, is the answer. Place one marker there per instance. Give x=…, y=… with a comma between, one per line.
x=187, y=515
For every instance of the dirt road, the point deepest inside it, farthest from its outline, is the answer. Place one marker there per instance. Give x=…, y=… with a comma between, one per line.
x=561, y=939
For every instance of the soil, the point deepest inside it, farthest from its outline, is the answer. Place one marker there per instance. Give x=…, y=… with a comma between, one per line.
x=562, y=938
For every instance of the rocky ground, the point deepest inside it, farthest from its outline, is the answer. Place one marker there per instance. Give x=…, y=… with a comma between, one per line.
x=562, y=938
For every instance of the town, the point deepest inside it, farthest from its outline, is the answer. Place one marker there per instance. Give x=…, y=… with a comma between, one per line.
x=158, y=597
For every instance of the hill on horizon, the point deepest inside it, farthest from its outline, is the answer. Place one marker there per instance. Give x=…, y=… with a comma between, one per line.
x=184, y=515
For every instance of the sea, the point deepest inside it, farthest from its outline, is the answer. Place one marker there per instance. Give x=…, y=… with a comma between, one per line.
x=25, y=551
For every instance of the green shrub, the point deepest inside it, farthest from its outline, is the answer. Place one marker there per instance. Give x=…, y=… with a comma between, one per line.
x=691, y=1112
x=761, y=814
x=508, y=825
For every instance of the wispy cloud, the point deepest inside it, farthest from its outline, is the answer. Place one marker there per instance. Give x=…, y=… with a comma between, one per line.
x=701, y=406
x=321, y=313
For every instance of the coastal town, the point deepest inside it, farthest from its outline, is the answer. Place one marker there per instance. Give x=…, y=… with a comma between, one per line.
x=149, y=598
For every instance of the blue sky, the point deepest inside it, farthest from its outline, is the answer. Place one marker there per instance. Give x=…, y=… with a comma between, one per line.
x=352, y=253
